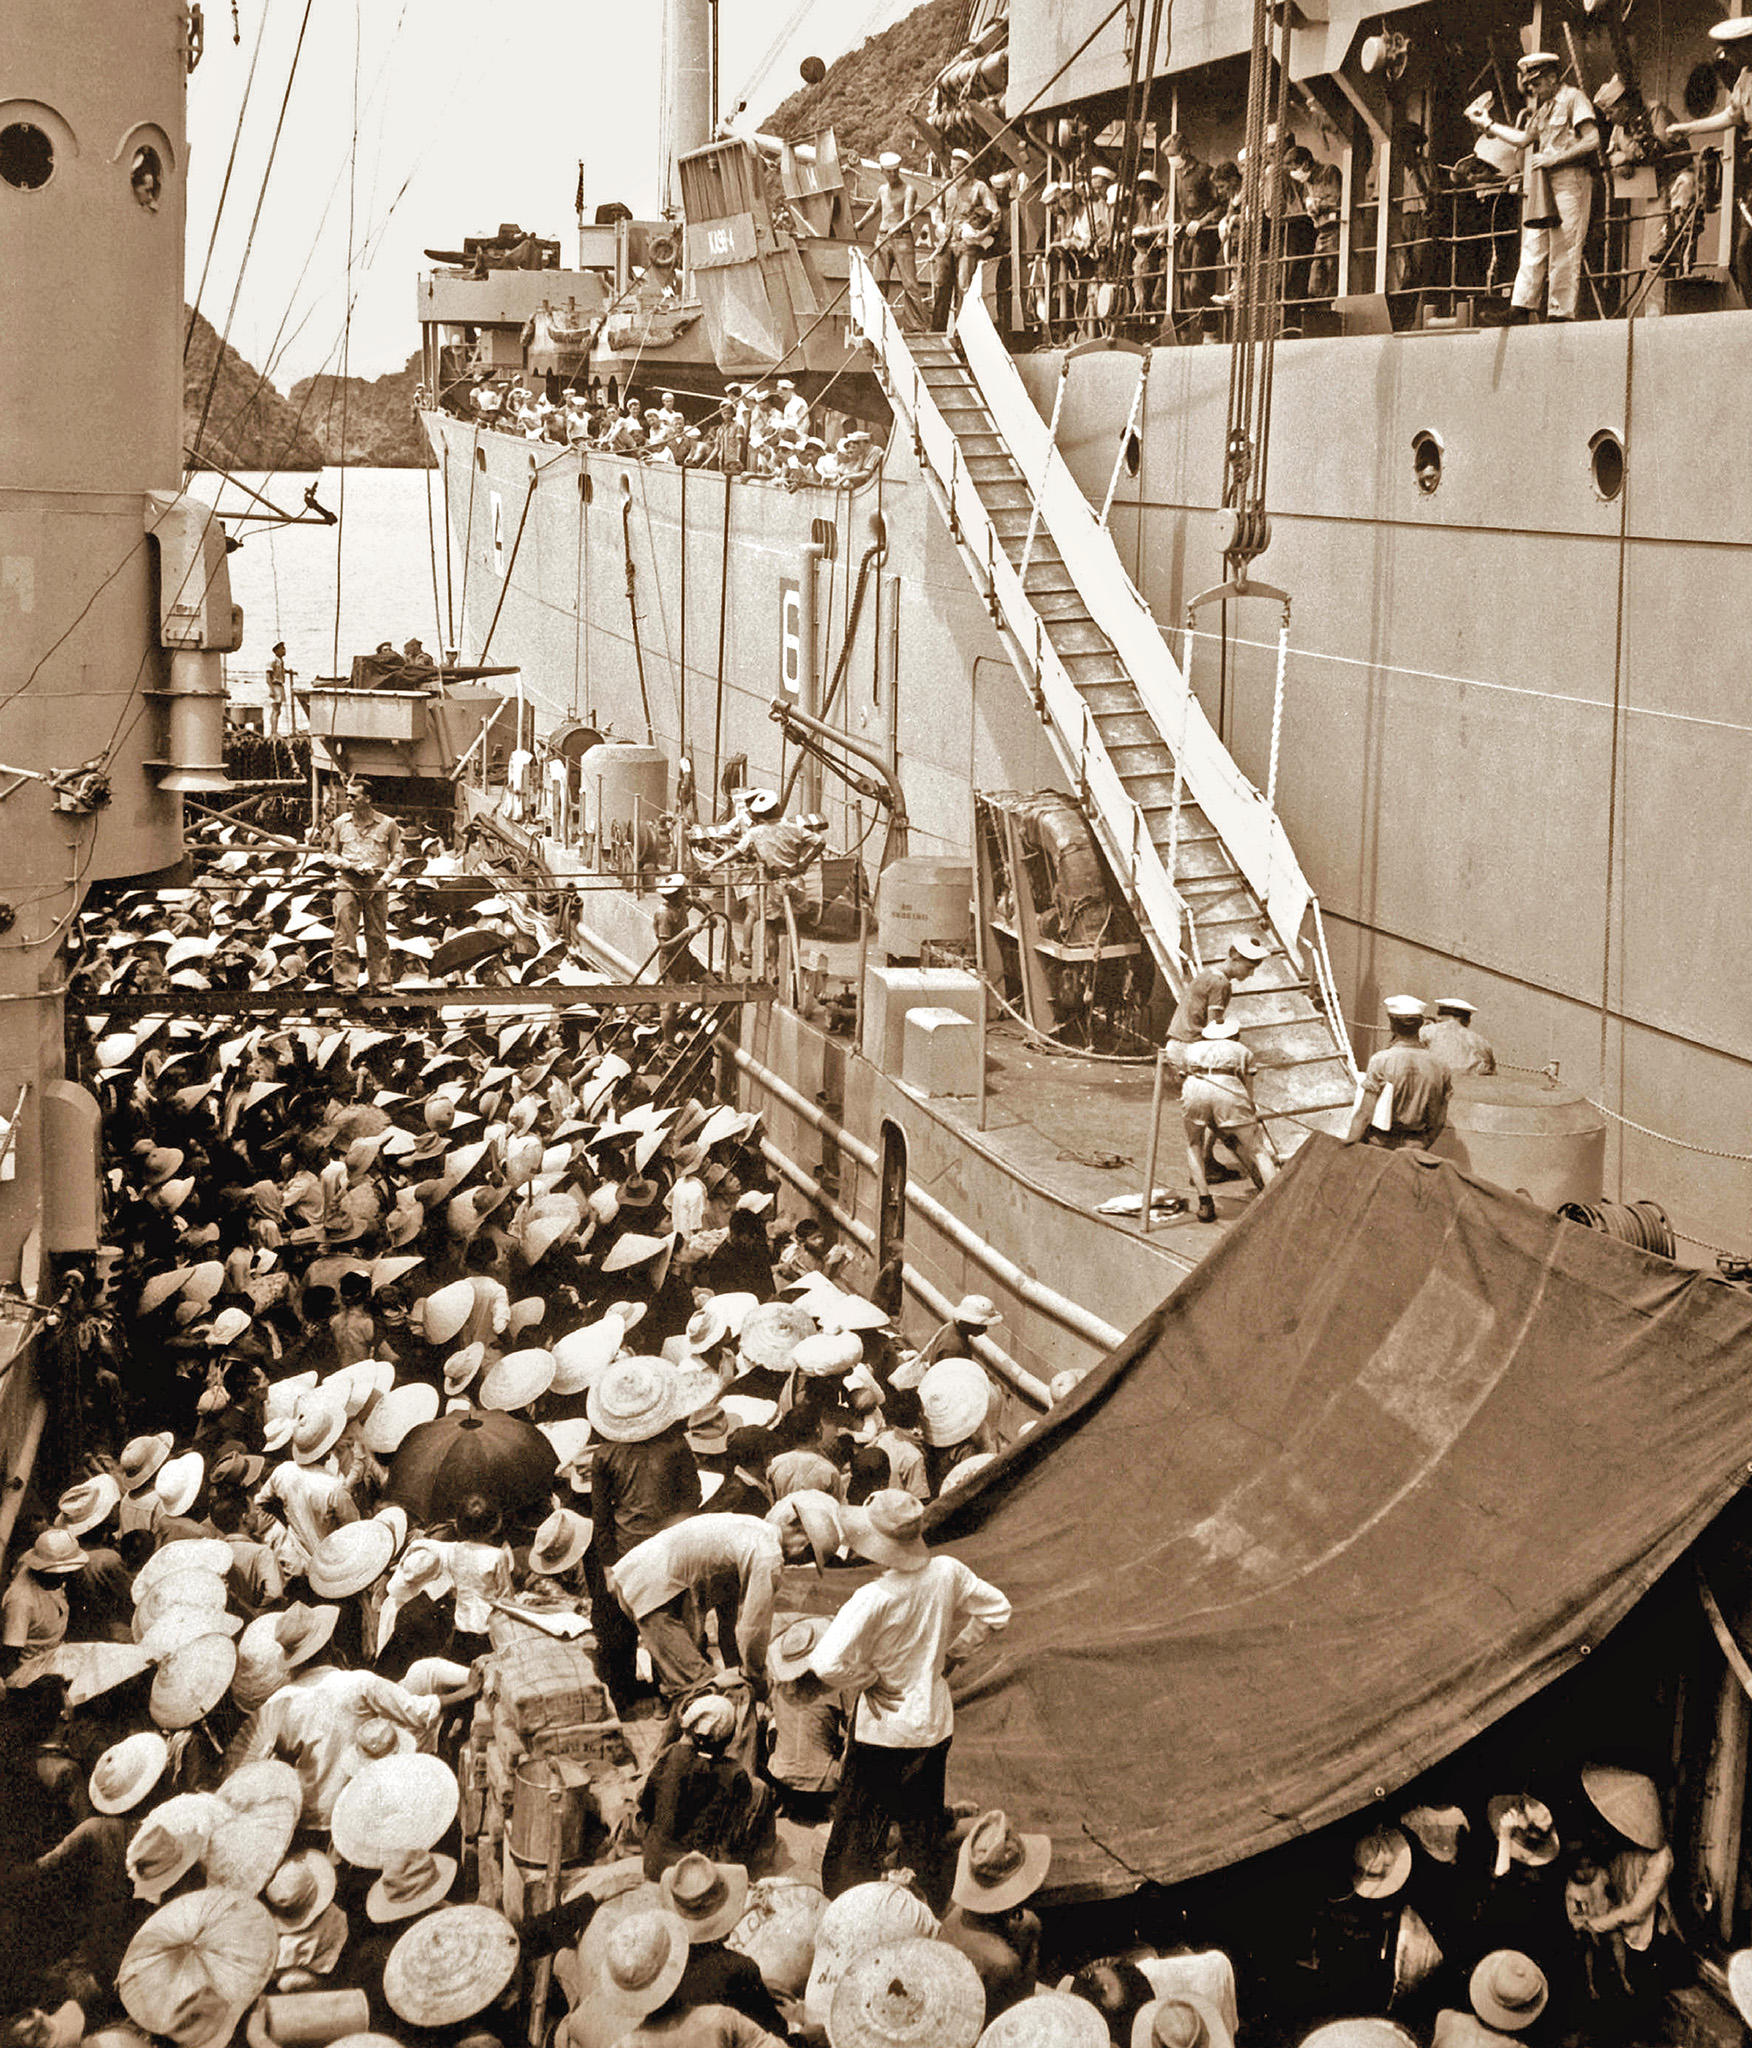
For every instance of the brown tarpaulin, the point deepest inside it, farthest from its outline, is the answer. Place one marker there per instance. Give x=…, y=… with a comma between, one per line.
x=1396, y=1455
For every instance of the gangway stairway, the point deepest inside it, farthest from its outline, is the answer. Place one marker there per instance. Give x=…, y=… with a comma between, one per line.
x=1202, y=856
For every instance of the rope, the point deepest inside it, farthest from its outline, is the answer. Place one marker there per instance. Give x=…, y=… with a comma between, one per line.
x=1617, y=717
x=1678, y=1144
x=254, y=223
x=432, y=556
x=346, y=347
x=468, y=524
x=535, y=476
x=1051, y=1044
x=225, y=182
x=1277, y=710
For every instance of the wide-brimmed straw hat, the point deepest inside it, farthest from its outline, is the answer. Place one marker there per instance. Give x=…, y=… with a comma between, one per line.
x=141, y=1458
x=1627, y=1801
x=582, y=1355
x=1186, y=2020
x=209, y=1554
x=818, y=1514
x=956, y=1398
x=300, y=1891
x=559, y=1543
x=317, y=1430
x=906, y=1995
x=400, y=1410
x=1380, y=1863
x=637, y=1398
x=192, y=1680
x=998, y=1867
x=1508, y=1990
x=791, y=1648
x=392, y=1806
x=450, y=1965
x=127, y=1771
x=643, y=1960
x=179, y=1482
x=888, y=1529
x=295, y=1632
x=771, y=1332
x=410, y=1885
x=84, y=1507
x=253, y=1824
x=1740, y=1982
x=517, y=1379
x=1523, y=1830
x=350, y=1558
x=1050, y=2019
x=828, y=1355
x=706, y=1897
x=202, y=1592
x=56, y=1554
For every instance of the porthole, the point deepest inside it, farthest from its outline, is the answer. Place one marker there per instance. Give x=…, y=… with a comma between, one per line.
x=1134, y=453
x=27, y=156
x=146, y=176
x=481, y=460
x=1606, y=463
x=1426, y=461
x=586, y=488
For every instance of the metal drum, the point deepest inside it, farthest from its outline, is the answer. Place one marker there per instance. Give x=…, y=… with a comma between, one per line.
x=621, y=784
x=1541, y=1139
x=552, y=1793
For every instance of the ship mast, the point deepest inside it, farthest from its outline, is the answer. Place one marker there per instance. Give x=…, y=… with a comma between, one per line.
x=689, y=32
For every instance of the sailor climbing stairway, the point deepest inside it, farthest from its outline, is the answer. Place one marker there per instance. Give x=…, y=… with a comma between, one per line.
x=1202, y=856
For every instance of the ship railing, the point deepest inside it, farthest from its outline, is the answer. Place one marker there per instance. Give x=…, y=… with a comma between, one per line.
x=1248, y=827
x=1457, y=247
x=1117, y=820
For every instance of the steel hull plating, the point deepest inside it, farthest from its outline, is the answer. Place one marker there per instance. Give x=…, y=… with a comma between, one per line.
x=1514, y=740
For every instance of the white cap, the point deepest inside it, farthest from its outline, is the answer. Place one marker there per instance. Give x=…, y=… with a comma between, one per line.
x=889, y=160
x=1403, y=1006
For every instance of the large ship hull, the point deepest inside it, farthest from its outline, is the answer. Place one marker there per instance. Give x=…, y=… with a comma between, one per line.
x=1512, y=746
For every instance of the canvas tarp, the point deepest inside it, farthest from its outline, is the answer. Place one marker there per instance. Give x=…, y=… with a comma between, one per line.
x=1394, y=1457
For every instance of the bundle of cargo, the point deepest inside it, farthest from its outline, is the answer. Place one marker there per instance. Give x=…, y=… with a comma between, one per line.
x=551, y=1776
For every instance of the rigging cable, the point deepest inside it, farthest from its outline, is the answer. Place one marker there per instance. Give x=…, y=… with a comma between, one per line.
x=254, y=223
x=347, y=340
x=432, y=557
x=1617, y=724
x=225, y=183
x=723, y=622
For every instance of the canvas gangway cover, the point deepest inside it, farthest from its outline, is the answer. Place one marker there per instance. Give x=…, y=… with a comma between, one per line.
x=1394, y=1457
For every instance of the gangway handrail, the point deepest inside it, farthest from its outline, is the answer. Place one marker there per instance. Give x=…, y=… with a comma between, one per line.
x=1113, y=813
x=1247, y=825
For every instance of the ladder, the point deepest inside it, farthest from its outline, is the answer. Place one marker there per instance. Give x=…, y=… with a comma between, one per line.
x=1201, y=855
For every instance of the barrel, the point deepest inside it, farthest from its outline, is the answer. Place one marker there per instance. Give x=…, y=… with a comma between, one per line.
x=1643, y=1224
x=1526, y=1133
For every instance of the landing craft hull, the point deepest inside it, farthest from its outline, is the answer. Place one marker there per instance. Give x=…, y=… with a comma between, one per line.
x=1473, y=813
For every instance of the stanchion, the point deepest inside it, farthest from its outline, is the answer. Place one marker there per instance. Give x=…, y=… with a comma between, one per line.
x=1150, y=1151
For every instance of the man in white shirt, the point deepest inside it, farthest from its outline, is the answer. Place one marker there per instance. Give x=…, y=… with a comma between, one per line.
x=314, y=1724
x=730, y=1563
x=892, y=1643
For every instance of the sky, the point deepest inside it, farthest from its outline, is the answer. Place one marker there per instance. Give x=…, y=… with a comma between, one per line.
x=467, y=115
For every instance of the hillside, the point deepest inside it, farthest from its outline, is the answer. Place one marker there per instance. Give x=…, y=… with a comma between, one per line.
x=868, y=92
x=249, y=425
x=378, y=415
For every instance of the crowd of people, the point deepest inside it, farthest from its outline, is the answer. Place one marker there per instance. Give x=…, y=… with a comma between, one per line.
x=756, y=432
x=436, y=1370
x=406, y=1343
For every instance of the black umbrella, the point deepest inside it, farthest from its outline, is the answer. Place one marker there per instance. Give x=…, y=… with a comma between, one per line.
x=441, y=1462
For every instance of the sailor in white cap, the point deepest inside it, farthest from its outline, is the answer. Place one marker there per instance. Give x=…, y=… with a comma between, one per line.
x=1216, y=1101
x=1206, y=996
x=968, y=215
x=895, y=254
x=793, y=407
x=1404, y=1097
x=1561, y=136
x=1733, y=54
x=1450, y=1036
